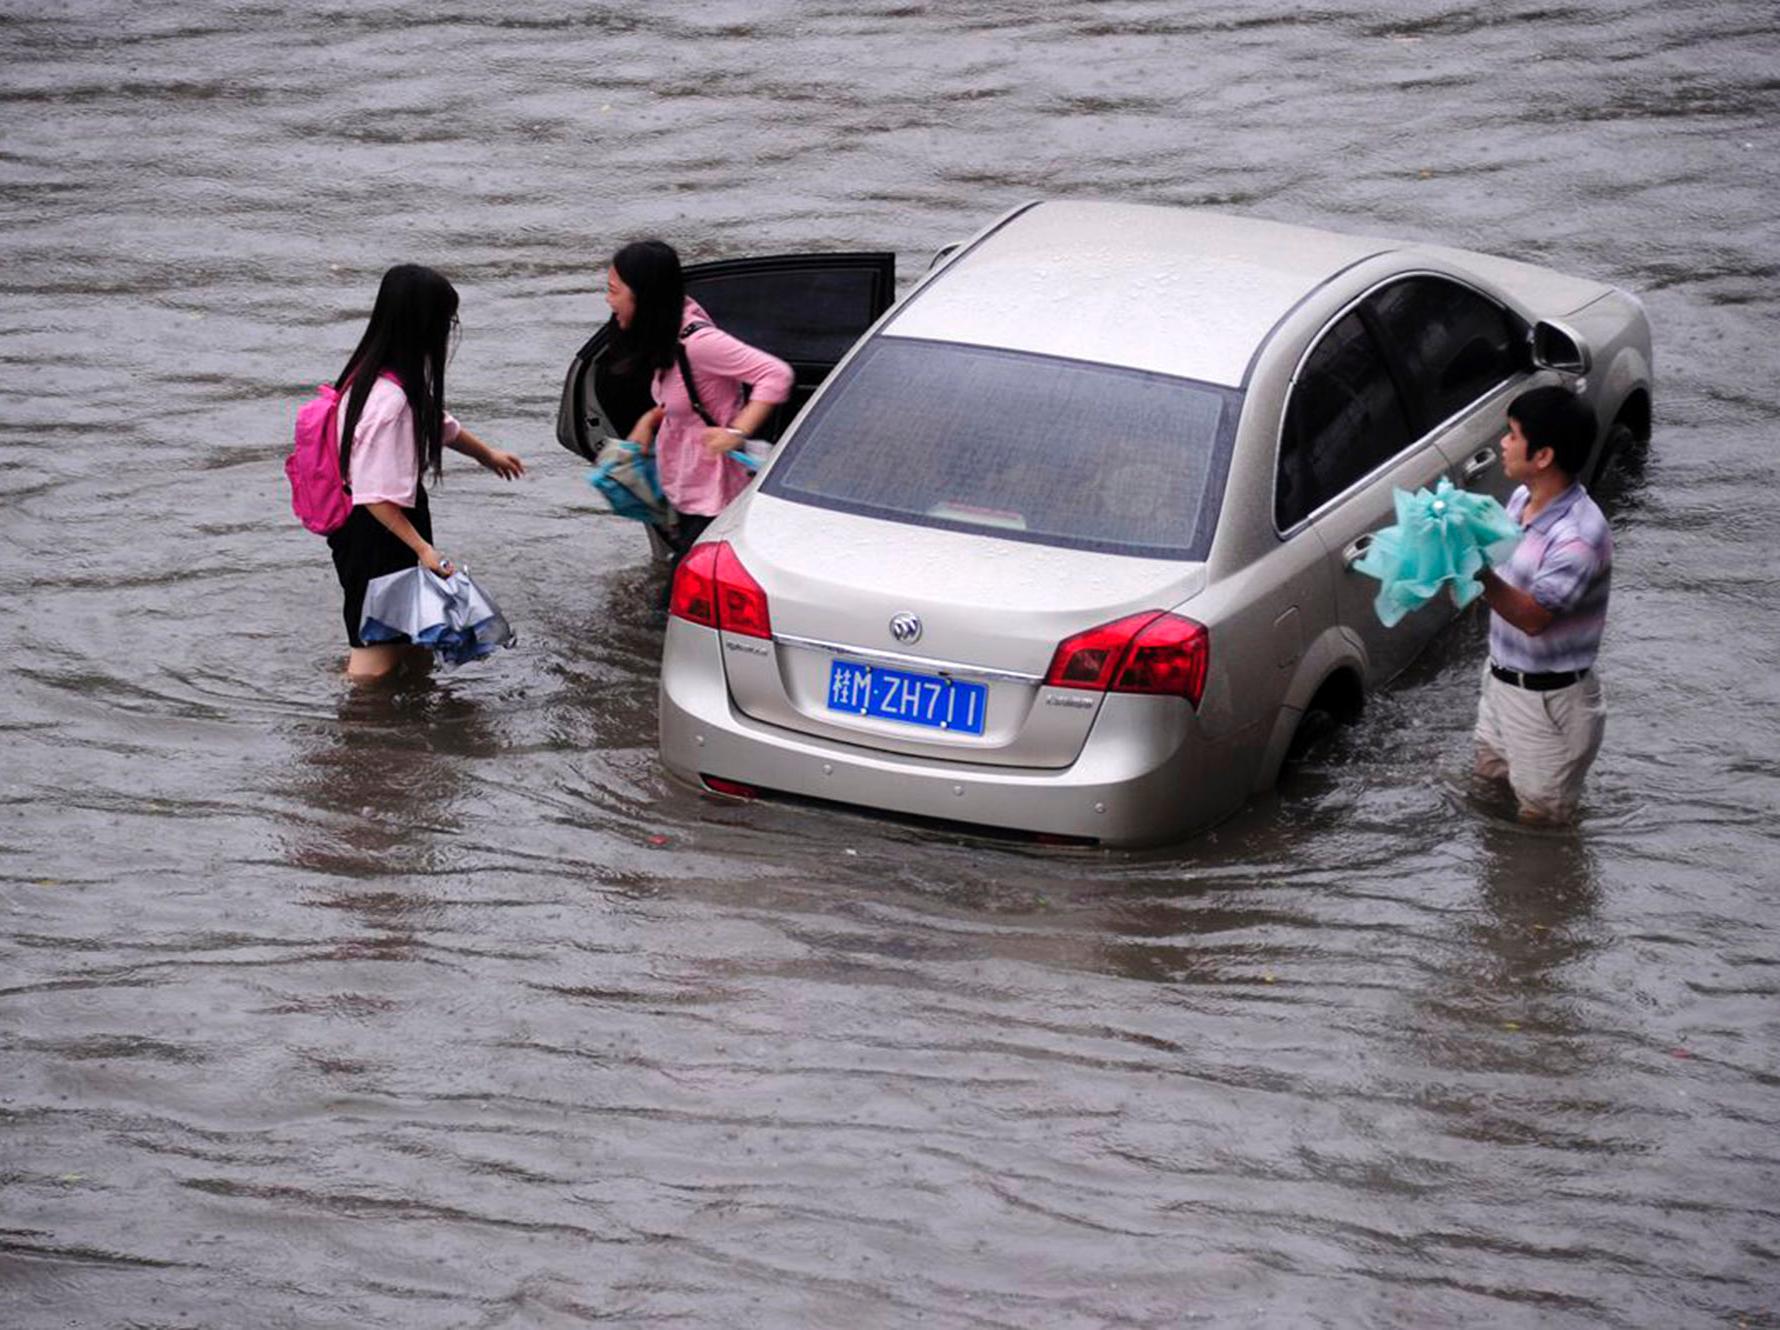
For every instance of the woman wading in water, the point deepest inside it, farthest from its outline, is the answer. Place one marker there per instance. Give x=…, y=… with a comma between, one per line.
x=393, y=409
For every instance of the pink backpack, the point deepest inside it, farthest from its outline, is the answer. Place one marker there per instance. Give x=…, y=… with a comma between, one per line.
x=319, y=494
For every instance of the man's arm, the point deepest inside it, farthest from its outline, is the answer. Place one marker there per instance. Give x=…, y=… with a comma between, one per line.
x=1515, y=606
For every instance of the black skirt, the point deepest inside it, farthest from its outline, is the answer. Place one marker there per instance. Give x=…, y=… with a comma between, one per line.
x=364, y=548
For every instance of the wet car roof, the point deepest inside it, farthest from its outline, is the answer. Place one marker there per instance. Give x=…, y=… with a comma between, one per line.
x=1175, y=291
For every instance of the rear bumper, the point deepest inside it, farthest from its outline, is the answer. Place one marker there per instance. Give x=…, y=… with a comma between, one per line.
x=1144, y=775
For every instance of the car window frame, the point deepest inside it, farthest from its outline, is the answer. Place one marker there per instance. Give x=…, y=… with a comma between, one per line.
x=1415, y=408
x=1519, y=333
x=1393, y=372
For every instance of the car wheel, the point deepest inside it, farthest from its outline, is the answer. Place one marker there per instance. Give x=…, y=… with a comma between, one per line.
x=1617, y=448
x=1338, y=702
x=1621, y=464
x=1315, y=727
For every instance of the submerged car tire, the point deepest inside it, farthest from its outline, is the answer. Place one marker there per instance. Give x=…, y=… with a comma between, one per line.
x=1338, y=702
x=1619, y=448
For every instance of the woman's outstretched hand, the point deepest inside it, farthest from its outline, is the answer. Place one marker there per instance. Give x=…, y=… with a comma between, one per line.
x=505, y=465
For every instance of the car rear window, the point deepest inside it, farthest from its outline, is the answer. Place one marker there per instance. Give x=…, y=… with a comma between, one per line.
x=1019, y=446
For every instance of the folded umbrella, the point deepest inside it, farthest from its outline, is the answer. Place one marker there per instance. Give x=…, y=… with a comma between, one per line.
x=452, y=615
x=1441, y=539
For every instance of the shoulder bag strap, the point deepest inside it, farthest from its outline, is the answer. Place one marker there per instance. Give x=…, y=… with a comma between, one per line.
x=686, y=373
x=335, y=423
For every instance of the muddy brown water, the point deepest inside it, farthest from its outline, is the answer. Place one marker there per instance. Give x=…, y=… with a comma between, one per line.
x=442, y=1006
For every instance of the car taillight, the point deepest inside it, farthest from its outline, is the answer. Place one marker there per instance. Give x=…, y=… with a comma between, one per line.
x=712, y=588
x=741, y=603
x=1151, y=652
x=1170, y=656
x=694, y=596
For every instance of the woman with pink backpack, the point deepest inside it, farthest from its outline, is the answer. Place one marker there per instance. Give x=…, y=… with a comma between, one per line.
x=390, y=402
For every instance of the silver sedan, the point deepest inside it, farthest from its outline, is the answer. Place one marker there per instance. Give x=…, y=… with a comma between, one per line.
x=1063, y=543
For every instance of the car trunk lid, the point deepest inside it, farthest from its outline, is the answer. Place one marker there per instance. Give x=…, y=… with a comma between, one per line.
x=974, y=612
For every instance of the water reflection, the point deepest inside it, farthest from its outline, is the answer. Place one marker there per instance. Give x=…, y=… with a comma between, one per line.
x=1510, y=995
x=386, y=782
x=1194, y=935
x=1539, y=888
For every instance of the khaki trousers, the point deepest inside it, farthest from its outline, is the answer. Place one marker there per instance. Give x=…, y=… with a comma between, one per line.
x=1541, y=743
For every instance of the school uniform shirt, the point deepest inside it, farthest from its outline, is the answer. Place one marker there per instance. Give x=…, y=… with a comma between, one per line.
x=383, y=467
x=1565, y=562
x=695, y=480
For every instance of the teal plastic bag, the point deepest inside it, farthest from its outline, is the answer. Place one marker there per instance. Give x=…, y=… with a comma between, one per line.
x=625, y=478
x=1441, y=539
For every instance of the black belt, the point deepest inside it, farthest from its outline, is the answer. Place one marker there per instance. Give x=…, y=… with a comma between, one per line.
x=1538, y=683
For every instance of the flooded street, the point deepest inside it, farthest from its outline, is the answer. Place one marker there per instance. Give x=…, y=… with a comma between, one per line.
x=443, y=1006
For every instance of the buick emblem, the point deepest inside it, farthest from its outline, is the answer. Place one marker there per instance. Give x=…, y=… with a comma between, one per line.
x=905, y=628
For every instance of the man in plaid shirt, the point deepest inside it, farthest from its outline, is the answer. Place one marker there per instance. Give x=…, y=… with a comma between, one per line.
x=1541, y=715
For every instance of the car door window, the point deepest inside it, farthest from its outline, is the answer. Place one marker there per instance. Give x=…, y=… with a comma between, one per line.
x=1454, y=344
x=808, y=310
x=1343, y=421
x=804, y=311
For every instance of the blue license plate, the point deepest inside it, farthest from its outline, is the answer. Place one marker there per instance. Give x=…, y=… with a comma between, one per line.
x=913, y=699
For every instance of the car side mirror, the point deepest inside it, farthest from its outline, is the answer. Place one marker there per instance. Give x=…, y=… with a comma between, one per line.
x=1560, y=348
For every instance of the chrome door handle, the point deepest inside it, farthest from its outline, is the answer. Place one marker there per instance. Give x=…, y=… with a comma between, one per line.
x=1479, y=462
x=1361, y=547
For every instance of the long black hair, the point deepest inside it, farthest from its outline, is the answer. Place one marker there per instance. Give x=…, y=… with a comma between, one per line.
x=409, y=335
x=651, y=269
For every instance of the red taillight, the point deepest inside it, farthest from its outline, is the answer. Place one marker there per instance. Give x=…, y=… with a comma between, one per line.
x=694, y=595
x=712, y=588
x=741, y=604
x=1091, y=659
x=1170, y=656
x=1151, y=652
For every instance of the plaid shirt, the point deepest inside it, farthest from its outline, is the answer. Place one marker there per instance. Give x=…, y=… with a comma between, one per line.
x=1565, y=561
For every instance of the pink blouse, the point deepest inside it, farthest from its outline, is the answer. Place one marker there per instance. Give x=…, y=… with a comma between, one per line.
x=695, y=480
x=383, y=467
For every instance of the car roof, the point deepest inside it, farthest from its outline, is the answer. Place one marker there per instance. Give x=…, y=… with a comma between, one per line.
x=1177, y=291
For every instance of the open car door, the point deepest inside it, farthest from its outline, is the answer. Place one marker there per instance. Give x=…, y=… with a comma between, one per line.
x=807, y=309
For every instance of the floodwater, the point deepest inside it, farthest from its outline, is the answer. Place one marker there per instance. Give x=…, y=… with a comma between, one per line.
x=442, y=1006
